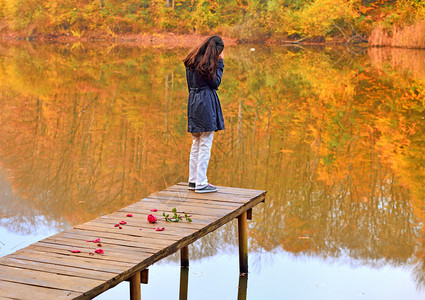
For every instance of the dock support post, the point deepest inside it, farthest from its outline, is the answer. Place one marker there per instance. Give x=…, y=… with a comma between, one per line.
x=184, y=282
x=249, y=214
x=243, y=242
x=135, y=293
x=243, y=285
x=184, y=256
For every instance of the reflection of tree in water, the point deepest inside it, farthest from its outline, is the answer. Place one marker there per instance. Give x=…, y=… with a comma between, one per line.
x=16, y=216
x=330, y=137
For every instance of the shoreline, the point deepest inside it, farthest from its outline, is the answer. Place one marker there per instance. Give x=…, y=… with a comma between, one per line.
x=164, y=39
x=173, y=40
x=167, y=39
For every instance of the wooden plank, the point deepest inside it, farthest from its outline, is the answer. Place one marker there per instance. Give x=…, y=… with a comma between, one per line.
x=223, y=189
x=65, y=260
x=74, y=243
x=118, y=236
x=14, y=290
x=189, y=196
x=145, y=242
x=109, y=255
x=182, y=209
x=55, y=269
x=178, y=229
x=197, y=218
x=187, y=207
x=129, y=231
x=139, y=220
x=43, y=279
x=193, y=201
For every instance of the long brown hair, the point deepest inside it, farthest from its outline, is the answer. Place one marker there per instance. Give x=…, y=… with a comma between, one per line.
x=204, y=58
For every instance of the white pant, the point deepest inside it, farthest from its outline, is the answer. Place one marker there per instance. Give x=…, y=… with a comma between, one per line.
x=199, y=157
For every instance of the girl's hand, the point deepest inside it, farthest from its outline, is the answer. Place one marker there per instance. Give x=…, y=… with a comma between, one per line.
x=221, y=56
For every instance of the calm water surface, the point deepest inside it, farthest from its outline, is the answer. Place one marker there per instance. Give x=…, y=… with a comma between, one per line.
x=336, y=136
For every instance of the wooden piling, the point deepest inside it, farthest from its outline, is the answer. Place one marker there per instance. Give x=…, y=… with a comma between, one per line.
x=249, y=214
x=243, y=242
x=243, y=285
x=184, y=256
x=144, y=276
x=184, y=283
x=135, y=292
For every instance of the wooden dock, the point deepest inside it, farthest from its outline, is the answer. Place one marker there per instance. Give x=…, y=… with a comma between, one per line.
x=49, y=270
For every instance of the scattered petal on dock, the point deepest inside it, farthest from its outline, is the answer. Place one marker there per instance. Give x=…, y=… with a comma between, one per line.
x=154, y=210
x=94, y=241
x=160, y=229
x=75, y=251
x=129, y=215
x=123, y=222
x=99, y=251
x=116, y=225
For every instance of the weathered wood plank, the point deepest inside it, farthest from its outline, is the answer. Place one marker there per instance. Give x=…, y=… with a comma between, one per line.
x=222, y=189
x=145, y=242
x=118, y=235
x=13, y=290
x=66, y=260
x=55, y=269
x=129, y=230
x=181, y=209
x=77, y=244
x=181, y=228
x=133, y=256
x=43, y=279
x=193, y=201
x=175, y=194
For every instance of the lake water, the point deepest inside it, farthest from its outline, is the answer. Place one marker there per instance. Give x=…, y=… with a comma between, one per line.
x=335, y=135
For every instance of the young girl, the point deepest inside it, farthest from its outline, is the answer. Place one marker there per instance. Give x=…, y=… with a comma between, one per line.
x=204, y=68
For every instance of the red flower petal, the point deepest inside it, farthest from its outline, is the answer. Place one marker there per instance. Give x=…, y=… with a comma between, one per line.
x=99, y=251
x=129, y=215
x=99, y=245
x=120, y=227
x=91, y=253
x=123, y=222
x=160, y=229
x=89, y=241
x=75, y=251
x=151, y=218
x=96, y=240
x=116, y=225
x=154, y=209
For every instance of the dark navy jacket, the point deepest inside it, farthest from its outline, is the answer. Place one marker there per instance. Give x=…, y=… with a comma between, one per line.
x=203, y=107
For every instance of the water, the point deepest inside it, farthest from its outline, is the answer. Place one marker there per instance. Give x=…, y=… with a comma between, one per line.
x=336, y=136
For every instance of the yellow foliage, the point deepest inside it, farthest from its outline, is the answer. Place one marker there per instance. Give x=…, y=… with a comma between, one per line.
x=321, y=16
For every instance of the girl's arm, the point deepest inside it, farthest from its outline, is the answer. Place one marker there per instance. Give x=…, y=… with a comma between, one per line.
x=214, y=84
x=187, y=80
